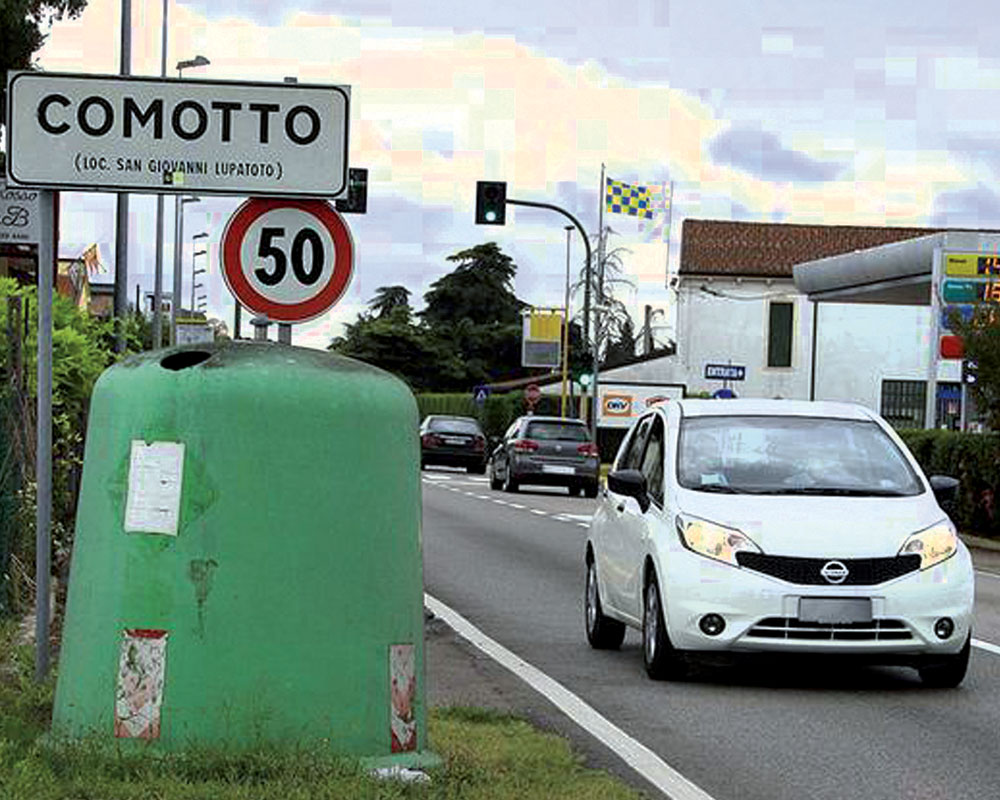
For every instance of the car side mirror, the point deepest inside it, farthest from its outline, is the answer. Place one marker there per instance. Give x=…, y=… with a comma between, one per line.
x=631, y=483
x=945, y=488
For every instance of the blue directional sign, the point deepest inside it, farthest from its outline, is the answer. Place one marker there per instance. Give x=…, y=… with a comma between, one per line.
x=964, y=310
x=725, y=372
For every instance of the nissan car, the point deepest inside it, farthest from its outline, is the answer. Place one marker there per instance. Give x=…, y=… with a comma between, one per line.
x=777, y=526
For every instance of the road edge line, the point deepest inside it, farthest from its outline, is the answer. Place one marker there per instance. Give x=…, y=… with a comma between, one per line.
x=988, y=646
x=639, y=757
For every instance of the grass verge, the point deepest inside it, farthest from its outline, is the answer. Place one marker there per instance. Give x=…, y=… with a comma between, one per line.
x=486, y=755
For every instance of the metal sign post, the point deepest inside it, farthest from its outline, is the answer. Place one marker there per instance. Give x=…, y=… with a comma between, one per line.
x=43, y=446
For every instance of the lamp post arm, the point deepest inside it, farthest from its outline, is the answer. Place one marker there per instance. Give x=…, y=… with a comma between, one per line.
x=586, y=295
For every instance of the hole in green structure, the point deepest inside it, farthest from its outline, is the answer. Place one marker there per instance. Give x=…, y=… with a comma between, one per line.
x=185, y=359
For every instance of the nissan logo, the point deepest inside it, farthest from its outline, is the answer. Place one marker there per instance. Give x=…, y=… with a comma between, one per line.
x=834, y=572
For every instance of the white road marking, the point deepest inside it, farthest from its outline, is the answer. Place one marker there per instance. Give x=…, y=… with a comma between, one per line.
x=481, y=496
x=643, y=760
x=990, y=648
x=583, y=524
x=987, y=573
x=540, y=513
x=578, y=517
x=501, y=502
x=517, y=505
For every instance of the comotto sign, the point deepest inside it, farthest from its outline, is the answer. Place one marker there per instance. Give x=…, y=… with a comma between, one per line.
x=109, y=133
x=289, y=260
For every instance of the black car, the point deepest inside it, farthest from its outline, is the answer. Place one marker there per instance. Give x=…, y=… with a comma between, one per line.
x=551, y=451
x=452, y=442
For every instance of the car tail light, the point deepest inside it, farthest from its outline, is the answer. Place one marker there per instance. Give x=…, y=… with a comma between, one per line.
x=525, y=446
x=430, y=440
x=480, y=444
x=589, y=449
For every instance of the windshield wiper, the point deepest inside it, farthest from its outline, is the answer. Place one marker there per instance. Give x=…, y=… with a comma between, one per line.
x=841, y=491
x=718, y=488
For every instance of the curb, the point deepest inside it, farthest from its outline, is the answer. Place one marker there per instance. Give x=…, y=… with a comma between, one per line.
x=980, y=542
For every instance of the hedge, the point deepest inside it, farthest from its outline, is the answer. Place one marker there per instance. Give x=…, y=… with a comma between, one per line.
x=973, y=458
x=495, y=414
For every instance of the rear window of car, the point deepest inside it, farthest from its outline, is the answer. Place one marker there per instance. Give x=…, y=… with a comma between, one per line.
x=454, y=426
x=563, y=431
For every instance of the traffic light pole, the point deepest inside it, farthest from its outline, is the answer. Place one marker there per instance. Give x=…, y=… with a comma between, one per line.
x=591, y=414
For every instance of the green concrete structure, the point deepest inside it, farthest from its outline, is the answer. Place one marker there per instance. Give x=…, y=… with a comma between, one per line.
x=247, y=565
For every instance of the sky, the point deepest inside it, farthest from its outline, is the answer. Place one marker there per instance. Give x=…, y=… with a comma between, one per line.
x=851, y=112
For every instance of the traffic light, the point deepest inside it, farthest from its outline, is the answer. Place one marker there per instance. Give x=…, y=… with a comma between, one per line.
x=970, y=372
x=491, y=202
x=356, y=201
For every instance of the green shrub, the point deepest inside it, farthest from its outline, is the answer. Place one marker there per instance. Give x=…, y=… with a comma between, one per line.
x=972, y=458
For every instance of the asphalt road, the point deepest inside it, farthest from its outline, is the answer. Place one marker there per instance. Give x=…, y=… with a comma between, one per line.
x=512, y=564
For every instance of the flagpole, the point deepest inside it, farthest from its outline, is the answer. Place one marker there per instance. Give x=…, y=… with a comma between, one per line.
x=597, y=301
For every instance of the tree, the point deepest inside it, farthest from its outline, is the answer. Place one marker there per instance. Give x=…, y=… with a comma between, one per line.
x=622, y=348
x=981, y=338
x=614, y=324
x=480, y=289
x=390, y=298
x=22, y=33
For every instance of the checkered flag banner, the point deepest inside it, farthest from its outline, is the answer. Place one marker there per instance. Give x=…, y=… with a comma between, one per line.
x=660, y=200
x=623, y=198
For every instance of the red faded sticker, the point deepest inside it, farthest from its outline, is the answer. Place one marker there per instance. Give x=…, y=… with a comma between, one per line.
x=403, y=691
x=139, y=693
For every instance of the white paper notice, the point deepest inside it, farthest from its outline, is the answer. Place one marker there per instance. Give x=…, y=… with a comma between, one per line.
x=155, y=476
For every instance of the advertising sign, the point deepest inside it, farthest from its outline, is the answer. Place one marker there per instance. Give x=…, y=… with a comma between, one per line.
x=620, y=403
x=971, y=265
x=19, y=215
x=541, y=342
x=132, y=133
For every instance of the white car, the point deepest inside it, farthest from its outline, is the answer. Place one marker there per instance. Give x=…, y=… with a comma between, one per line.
x=777, y=526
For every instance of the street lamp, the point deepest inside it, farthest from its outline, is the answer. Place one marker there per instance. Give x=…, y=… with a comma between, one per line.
x=178, y=244
x=565, y=347
x=197, y=61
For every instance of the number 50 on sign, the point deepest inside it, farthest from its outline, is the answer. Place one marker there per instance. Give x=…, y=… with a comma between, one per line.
x=290, y=260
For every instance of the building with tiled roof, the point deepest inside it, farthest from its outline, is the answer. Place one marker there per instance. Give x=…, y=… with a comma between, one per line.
x=736, y=305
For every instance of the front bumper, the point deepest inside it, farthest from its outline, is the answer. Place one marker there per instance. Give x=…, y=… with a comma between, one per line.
x=761, y=612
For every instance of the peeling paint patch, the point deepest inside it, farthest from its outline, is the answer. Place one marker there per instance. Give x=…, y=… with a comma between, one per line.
x=155, y=476
x=403, y=692
x=139, y=694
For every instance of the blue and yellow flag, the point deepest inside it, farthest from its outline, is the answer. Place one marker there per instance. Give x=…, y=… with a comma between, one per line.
x=623, y=198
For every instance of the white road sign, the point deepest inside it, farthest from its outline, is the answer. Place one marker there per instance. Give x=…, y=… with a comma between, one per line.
x=115, y=133
x=19, y=209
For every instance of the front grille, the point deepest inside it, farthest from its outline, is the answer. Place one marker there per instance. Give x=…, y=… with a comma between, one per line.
x=805, y=571
x=881, y=630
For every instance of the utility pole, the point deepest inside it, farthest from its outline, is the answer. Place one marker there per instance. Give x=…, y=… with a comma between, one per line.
x=121, y=209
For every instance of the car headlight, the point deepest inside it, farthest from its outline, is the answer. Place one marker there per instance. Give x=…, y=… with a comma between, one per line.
x=714, y=541
x=934, y=545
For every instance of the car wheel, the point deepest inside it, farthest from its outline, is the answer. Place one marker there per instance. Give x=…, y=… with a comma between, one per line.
x=603, y=633
x=495, y=482
x=477, y=469
x=591, y=489
x=949, y=671
x=662, y=661
x=509, y=484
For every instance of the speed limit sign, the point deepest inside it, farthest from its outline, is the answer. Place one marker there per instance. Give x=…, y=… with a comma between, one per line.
x=287, y=259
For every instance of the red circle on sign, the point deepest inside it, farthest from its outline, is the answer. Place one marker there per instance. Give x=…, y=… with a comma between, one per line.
x=327, y=295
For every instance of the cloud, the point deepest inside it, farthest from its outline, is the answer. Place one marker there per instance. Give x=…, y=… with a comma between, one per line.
x=761, y=154
x=973, y=208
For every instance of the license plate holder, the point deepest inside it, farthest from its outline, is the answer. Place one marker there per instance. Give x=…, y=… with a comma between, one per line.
x=835, y=609
x=557, y=470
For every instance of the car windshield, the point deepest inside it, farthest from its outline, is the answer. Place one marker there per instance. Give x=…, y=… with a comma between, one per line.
x=791, y=455
x=445, y=425
x=556, y=430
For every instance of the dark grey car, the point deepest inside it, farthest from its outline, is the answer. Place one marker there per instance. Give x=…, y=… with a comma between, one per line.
x=453, y=442
x=550, y=451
